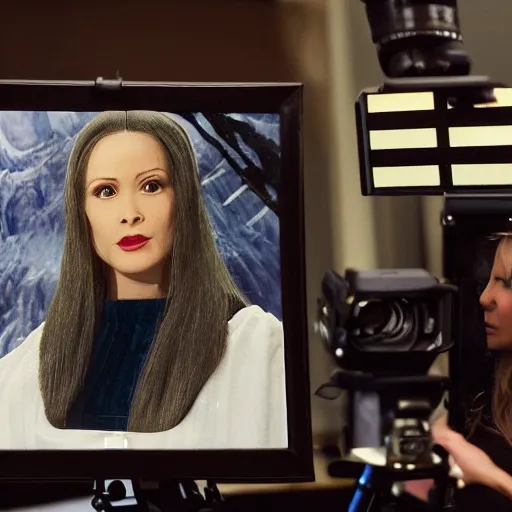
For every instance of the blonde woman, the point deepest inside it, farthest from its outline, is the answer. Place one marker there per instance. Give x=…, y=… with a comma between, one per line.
x=147, y=343
x=482, y=460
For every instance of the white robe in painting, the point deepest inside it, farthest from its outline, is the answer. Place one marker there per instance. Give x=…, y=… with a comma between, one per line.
x=242, y=406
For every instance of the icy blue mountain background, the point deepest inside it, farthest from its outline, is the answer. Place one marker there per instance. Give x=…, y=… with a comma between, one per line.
x=34, y=148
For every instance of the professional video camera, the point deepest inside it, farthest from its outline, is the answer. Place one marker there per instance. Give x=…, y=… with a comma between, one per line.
x=385, y=328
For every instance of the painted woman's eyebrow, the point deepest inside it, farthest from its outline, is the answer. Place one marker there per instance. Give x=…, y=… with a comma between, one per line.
x=101, y=179
x=136, y=177
x=149, y=170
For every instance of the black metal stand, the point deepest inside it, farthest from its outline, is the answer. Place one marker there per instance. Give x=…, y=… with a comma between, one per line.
x=171, y=495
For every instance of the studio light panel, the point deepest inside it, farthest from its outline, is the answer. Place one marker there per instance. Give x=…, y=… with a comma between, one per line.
x=416, y=143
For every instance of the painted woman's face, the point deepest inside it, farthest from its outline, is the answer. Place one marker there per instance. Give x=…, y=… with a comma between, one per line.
x=130, y=204
x=496, y=300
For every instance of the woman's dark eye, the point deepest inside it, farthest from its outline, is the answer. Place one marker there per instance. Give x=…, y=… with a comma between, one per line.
x=105, y=192
x=152, y=187
x=506, y=283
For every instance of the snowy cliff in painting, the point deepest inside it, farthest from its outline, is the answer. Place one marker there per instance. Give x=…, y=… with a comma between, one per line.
x=34, y=148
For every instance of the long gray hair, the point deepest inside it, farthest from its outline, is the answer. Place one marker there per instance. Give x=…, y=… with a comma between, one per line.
x=191, y=337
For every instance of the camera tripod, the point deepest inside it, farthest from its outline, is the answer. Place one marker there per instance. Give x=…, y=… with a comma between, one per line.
x=379, y=490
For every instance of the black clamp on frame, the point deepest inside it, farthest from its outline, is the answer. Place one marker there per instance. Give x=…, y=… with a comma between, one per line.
x=108, y=84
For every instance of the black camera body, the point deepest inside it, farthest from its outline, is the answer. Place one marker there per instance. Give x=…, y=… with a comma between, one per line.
x=385, y=328
x=385, y=322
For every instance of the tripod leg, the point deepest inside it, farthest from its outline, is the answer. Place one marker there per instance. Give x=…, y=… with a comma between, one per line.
x=441, y=496
x=365, y=498
x=142, y=498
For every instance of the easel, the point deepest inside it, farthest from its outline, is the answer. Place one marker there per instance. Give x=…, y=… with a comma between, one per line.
x=170, y=495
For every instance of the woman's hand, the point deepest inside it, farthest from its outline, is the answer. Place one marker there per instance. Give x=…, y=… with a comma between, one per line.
x=468, y=462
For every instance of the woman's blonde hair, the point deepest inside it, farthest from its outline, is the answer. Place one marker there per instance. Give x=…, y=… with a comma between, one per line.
x=501, y=392
x=191, y=337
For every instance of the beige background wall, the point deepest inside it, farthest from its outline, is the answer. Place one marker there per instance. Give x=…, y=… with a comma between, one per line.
x=323, y=43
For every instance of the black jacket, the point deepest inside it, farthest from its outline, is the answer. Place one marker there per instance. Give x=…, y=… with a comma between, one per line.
x=477, y=497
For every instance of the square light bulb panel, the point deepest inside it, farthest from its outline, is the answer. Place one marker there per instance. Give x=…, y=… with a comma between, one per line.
x=416, y=143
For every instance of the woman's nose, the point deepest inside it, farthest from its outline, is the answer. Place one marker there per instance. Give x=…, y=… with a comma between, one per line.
x=132, y=219
x=486, y=299
x=132, y=214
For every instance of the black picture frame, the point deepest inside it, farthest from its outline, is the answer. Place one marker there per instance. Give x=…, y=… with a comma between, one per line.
x=292, y=464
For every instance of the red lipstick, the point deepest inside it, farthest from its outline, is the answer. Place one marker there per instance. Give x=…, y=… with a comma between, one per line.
x=132, y=243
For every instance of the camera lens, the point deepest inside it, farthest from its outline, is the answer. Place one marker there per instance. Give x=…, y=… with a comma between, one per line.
x=393, y=324
x=374, y=317
x=417, y=37
x=378, y=322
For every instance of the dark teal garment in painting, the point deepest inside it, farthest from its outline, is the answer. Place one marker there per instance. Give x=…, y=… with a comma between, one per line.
x=119, y=352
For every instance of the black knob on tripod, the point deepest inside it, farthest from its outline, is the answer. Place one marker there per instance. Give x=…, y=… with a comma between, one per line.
x=98, y=503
